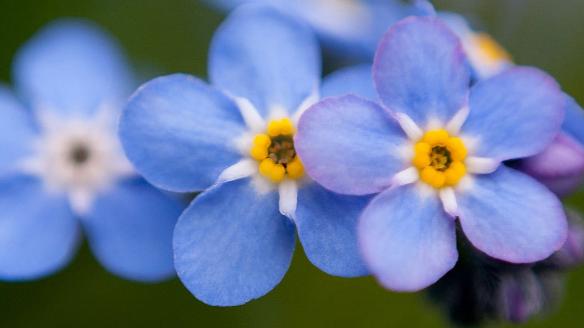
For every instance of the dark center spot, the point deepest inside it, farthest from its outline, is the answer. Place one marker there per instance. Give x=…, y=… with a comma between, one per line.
x=440, y=158
x=79, y=154
x=282, y=150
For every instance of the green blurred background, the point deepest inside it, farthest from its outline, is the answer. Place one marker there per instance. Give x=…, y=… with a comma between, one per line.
x=165, y=36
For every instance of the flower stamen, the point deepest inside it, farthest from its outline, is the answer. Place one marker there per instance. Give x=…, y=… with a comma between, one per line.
x=439, y=158
x=275, y=152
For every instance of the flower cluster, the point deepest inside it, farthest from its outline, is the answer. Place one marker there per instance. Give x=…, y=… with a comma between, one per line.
x=435, y=161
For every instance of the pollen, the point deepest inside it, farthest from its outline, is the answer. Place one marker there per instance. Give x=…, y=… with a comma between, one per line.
x=439, y=158
x=275, y=152
x=280, y=127
x=490, y=48
x=259, y=148
x=273, y=171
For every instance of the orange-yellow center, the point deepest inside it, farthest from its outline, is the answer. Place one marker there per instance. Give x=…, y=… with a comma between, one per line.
x=275, y=152
x=440, y=158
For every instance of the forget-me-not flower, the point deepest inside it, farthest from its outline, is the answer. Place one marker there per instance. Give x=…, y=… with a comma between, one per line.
x=433, y=152
x=348, y=28
x=234, y=138
x=62, y=167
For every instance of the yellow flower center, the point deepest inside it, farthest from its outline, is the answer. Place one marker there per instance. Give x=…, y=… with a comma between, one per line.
x=275, y=152
x=490, y=48
x=440, y=158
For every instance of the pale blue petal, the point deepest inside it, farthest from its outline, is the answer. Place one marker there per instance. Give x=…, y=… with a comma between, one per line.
x=327, y=228
x=17, y=132
x=180, y=133
x=232, y=245
x=515, y=114
x=407, y=240
x=130, y=231
x=420, y=69
x=511, y=217
x=72, y=67
x=350, y=145
x=265, y=56
x=38, y=233
x=356, y=80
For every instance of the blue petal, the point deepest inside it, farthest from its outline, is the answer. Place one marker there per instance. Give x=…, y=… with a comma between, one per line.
x=38, y=233
x=510, y=216
x=327, y=228
x=72, y=67
x=350, y=145
x=420, y=69
x=355, y=80
x=266, y=57
x=130, y=231
x=574, y=120
x=179, y=133
x=349, y=29
x=232, y=245
x=17, y=132
x=360, y=36
x=407, y=239
x=515, y=114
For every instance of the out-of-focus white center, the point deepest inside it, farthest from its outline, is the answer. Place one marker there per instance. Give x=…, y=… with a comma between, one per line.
x=78, y=156
x=337, y=17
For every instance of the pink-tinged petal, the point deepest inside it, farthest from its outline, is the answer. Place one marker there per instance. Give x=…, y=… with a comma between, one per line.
x=515, y=114
x=350, y=145
x=407, y=240
x=420, y=69
x=560, y=166
x=511, y=217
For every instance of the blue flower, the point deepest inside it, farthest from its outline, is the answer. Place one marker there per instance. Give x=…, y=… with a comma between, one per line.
x=560, y=166
x=235, y=139
x=433, y=152
x=349, y=28
x=61, y=161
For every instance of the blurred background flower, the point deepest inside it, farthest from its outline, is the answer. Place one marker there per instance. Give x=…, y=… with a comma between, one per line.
x=348, y=29
x=62, y=168
x=173, y=36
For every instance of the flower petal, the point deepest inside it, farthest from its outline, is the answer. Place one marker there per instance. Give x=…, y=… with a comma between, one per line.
x=420, y=69
x=72, y=67
x=327, y=228
x=355, y=80
x=38, y=233
x=512, y=217
x=267, y=57
x=562, y=160
x=515, y=114
x=563, y=186
x=574, y=120
x=180, y=133
x=350, y=145
x=17, y=132
x=352, y=29
x=349, y=29
x=130, y=231
x=232, y=245
x=407, y=240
